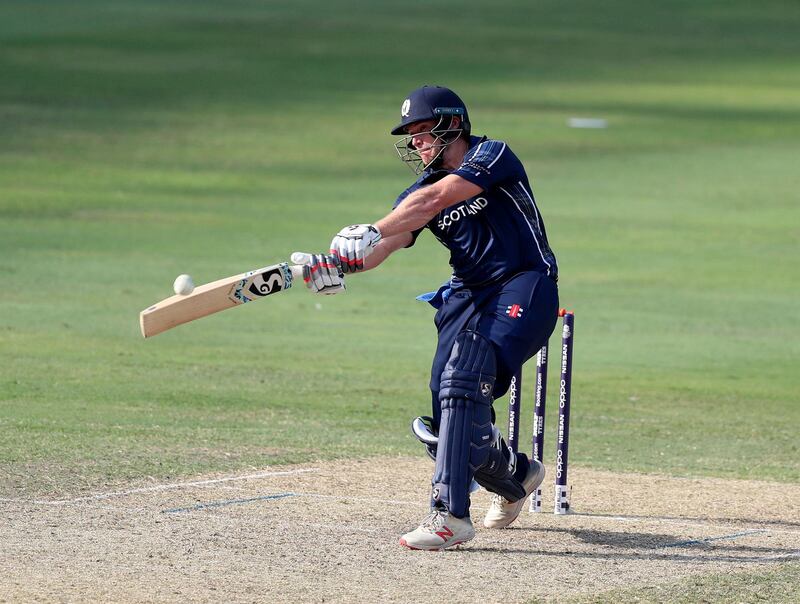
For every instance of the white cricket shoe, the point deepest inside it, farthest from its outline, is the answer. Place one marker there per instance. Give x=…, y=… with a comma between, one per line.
x=503, y=512
x=438, y=531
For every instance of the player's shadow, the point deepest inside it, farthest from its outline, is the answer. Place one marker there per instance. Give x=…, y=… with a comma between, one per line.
x=750, y=522
x=626, y=545
x=662, y=541
x=614, y=539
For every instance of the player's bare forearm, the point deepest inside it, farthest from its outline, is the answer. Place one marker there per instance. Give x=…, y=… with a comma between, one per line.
x=417, y=209
x=385, y=248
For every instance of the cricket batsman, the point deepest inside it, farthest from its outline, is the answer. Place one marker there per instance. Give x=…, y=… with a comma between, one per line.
x=497, y=310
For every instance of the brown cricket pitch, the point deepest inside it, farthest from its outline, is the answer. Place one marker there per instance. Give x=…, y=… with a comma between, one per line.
x=329, y=533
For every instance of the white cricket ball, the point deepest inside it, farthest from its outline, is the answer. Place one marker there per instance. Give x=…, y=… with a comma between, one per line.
x=183, y=285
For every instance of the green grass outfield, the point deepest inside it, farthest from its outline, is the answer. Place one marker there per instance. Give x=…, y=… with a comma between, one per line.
x=139, y=140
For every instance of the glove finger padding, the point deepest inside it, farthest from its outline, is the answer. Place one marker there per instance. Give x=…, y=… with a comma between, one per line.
x=322, y=275
x=339, y=251
x=351, y=255
x=353, y=244
x=359, y=254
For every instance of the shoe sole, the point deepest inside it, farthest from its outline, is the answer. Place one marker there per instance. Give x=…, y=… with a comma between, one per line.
x=432, y=549
x=536, y=483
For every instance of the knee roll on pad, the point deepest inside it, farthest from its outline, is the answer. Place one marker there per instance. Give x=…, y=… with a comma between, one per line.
x=471, y=370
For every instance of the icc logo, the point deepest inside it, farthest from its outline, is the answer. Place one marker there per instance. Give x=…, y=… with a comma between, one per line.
x=406, y=108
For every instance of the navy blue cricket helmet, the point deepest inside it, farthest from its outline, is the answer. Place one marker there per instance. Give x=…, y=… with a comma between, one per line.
x=431, y=103
x=440, y=105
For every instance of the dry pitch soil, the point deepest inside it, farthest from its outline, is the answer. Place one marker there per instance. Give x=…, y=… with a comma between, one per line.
x=329, y=532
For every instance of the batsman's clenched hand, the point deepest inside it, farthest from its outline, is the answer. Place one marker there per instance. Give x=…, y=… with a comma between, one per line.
x=354, y=243
x=322, y=274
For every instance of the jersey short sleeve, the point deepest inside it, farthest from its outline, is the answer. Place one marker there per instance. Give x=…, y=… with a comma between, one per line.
x=488, y=163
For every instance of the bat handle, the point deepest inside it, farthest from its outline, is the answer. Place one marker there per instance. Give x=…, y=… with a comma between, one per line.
x=298, y=258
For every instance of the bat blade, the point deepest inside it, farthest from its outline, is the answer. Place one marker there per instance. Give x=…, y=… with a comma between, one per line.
x=217, y=296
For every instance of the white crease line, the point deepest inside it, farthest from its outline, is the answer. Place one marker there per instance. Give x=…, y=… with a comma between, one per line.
x=160, y=487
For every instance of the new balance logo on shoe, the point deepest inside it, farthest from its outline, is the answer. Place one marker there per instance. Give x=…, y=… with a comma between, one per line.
x=438, y=531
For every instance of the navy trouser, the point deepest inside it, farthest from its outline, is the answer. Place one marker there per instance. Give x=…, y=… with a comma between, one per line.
x=517, y=316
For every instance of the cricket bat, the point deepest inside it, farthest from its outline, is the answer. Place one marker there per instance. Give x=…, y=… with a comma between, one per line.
x=217, y=296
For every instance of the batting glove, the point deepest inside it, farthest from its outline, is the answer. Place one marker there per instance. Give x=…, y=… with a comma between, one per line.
x=354, y=243
x=322, y=274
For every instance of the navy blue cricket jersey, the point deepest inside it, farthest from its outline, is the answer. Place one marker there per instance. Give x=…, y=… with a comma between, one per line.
x=500, y=231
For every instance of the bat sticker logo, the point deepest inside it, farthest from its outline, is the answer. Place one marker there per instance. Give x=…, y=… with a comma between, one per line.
x=264, y=284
